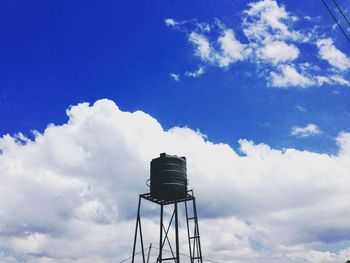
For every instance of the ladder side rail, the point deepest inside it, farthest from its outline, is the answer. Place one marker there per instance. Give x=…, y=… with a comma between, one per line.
x=197, y=228
x=188, y=232
x=141, y=238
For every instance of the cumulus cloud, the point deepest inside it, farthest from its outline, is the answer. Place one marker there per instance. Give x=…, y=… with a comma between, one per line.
x=332, y=79
x=308, y=130
x=266, y=19
x=332, y=55
x=289, y=76
x=273, y=44
x=230, y=49
x=70, y=194
x=266, y=25
x=201, y=43
x=278, y=52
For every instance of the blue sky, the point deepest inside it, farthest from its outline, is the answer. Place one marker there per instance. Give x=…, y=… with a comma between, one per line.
x=56, y=54
x=254, y=93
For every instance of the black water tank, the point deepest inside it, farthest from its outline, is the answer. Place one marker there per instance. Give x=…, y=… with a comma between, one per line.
x=168, y=177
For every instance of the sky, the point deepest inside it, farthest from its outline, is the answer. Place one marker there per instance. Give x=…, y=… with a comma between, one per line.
x=254, y=93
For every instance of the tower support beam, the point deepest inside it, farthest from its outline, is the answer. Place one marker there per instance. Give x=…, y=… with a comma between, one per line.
x=192, y=230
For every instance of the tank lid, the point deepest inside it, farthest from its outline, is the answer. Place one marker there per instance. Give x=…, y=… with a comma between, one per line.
x=163, y=155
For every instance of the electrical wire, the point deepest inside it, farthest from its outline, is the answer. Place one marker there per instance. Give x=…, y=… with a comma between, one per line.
x=208, y=260
x=134, y=255
x=336, y=20
x=343, y=14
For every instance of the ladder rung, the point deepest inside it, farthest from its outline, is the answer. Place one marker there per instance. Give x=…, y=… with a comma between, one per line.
x=190, y=218
x=194, y=237
x=197, y=258
x=168, y=259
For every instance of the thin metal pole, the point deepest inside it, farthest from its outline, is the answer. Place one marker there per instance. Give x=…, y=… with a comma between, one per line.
x=136, y=228
x=197, y=229
x=161, y=235
x=141, y=239
x=188, y=232
x=177, y=233
x=149, y=252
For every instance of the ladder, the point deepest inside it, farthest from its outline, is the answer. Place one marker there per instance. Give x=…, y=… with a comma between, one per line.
x=194, y=242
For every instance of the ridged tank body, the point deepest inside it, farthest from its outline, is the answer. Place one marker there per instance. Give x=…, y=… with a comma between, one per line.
x=168, y=177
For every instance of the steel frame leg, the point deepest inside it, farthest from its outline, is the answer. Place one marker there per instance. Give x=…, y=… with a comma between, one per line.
x=161, y=235
x=177, y=234
x=193, y=241
x=138, y=228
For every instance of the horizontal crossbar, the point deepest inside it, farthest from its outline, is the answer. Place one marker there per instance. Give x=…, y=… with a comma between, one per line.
x=166, y=202
x=168, y=259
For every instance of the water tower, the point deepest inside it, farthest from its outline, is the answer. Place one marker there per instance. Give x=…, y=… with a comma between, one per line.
x=168, y=187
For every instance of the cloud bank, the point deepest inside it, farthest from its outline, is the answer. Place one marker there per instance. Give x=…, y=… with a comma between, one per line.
x=70, y=194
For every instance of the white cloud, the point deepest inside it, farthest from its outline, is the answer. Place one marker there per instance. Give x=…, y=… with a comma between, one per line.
x=289, y=76
x=266, y=20
x=201, y=43
x=203, y=27
x=70, y=195
x=301, y=108
x=170, y=22
x=332, y=79
x=175, y=76
x=269, y=28
x=278, y=52
x=274, y=45
x=340, y=80
x=332, y=55
x=308, y=130
x=232, y=49
x=195, y=74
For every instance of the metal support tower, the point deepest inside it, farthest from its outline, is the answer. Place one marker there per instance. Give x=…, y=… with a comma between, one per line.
x=195, y=252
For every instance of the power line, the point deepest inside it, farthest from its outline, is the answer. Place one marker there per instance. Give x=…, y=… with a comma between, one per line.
x=135, y=255
x=208, y=260
x=336, y=20
x=343, y=14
